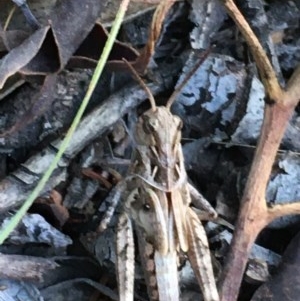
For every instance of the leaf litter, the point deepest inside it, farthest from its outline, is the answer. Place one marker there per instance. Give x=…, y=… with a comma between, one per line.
x=221, y=106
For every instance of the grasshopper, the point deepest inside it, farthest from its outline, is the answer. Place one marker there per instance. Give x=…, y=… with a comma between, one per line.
x=157, y=204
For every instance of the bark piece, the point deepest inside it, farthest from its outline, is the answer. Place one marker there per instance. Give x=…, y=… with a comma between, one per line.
x=34, y=229
x=23, y=267
x=207, y=17
x=18, y=290
x=285, y=284
x=213, y=96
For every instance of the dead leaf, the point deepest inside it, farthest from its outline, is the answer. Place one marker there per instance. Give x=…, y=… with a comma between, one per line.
x=49, y=49
x=44, y=99
x=155, y=30
x=39, y=8
x=29, y=16
x=11, y=39
x=53, y=208
x=24, y=54
x=72, y=31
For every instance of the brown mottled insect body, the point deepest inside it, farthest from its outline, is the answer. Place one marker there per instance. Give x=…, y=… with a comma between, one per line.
x=157, y=203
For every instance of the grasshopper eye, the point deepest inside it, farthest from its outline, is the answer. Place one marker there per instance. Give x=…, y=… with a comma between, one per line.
x=146, y=128
x=146, y=207
x=150, y=125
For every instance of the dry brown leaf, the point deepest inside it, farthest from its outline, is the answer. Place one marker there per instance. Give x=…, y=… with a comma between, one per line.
x=155, y=30
x=73, y=37
x=53, y=208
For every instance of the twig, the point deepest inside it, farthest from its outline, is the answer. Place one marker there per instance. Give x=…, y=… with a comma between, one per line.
x=264, y=66
x=283, y=209
x=254, y=214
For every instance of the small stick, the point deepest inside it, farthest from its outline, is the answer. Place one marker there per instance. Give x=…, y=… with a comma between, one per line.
x=187, y=78
x=254, y=214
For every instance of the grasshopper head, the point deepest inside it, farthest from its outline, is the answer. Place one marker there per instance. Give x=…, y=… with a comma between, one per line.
x=160, y=132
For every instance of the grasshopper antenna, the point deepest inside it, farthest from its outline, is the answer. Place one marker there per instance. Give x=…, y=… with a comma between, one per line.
x=187, y=78
x=140, y=81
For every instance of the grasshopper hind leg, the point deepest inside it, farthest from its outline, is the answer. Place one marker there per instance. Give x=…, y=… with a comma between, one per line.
x=199, y=256
x=125, y=258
